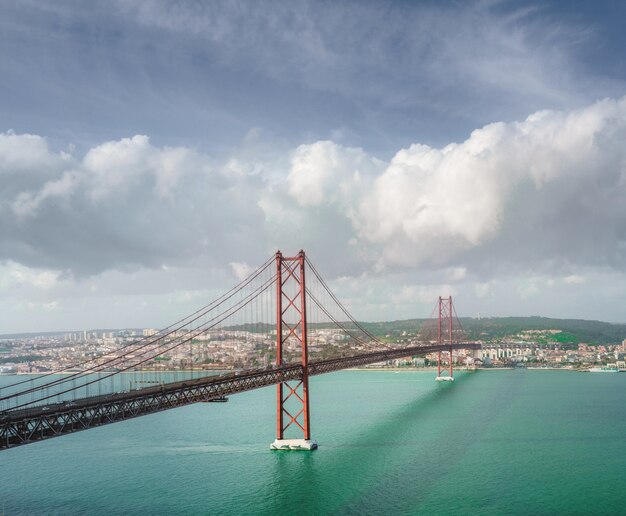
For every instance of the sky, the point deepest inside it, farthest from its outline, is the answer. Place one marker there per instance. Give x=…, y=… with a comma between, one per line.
x=152, y=150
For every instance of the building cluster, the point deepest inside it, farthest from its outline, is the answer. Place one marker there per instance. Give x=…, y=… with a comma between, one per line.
x=529, y=348
x=551, y=355
x=45, y=353
x=223, y=349
x=150, y=349
x=534, y=348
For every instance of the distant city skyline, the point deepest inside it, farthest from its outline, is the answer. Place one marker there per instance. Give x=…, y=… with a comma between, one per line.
x=153, y=152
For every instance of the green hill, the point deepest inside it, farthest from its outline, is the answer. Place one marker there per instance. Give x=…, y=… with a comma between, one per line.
x=573, y=331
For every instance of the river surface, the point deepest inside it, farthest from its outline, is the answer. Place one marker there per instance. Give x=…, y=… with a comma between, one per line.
x=494, y=442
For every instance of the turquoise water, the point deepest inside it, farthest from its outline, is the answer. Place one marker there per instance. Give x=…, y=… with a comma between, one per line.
x=494, y=442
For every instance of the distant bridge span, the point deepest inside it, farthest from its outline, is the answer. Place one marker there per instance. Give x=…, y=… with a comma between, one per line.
x=29, y=425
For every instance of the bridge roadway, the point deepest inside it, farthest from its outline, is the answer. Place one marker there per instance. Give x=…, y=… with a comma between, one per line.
x=29, y=425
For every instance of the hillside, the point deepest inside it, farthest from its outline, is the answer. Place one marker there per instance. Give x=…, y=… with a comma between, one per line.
x=573, y=331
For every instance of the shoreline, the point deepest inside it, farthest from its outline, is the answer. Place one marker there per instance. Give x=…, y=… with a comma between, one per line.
x=374, y=369
x=142, y=371
x=415, y=369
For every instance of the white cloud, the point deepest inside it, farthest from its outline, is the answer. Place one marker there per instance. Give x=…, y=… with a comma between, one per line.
x=49, y=307
x=119, y=165
x=537, y=193
x=27, y=203
x=565, y=171
x=324, y=172
x=541, y=198
x=14, y=275
x=574, y=279
x=549, y=189
x=25, y=152
x=527, y=290
x=457, y=273
x=423, y=294
x=126, y=203
x=241, y=270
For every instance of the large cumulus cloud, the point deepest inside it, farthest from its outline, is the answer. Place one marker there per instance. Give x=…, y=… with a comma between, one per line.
x=542, y=198
x=124, y=204
x=547, y=190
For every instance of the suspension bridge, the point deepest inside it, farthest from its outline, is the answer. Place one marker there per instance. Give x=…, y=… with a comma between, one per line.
x=278, y=326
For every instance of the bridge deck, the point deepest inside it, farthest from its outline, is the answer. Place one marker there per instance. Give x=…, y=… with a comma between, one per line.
x=42, y=422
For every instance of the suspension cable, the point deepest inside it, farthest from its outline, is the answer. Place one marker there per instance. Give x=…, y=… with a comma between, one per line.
x=179, y=324
x=232, y=310
x=343, y=308
x=330, y=316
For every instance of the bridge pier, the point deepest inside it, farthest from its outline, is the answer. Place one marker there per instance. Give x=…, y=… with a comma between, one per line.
x=294, y=444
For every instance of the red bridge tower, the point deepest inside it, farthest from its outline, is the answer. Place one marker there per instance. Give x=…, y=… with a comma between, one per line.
x=445, y=332
x=291, y=331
